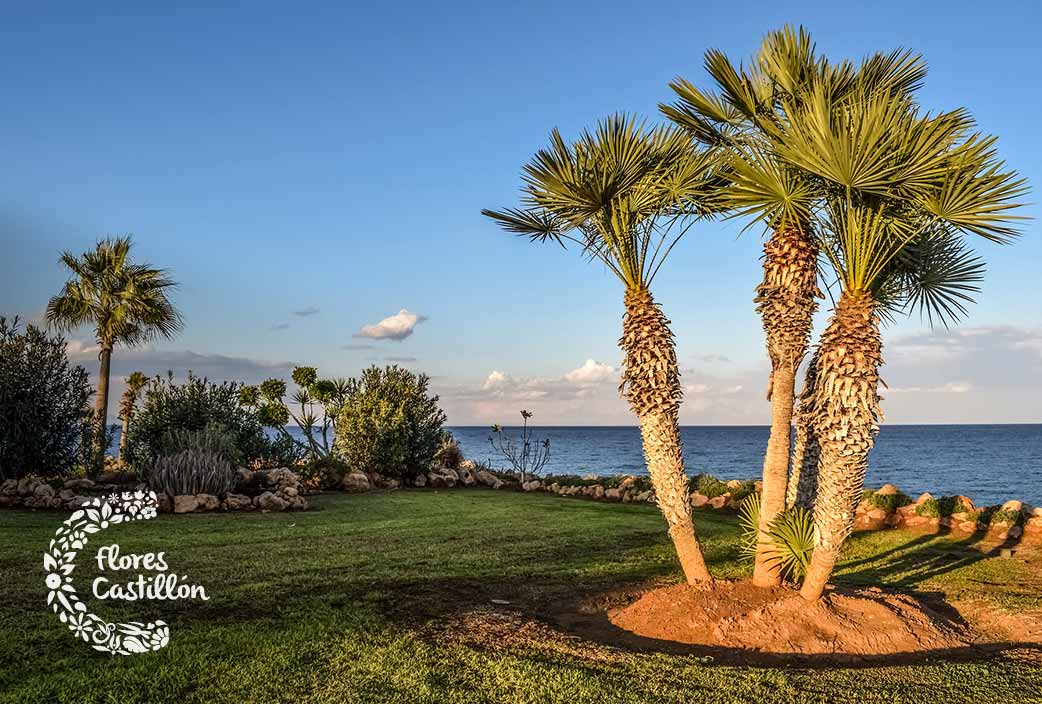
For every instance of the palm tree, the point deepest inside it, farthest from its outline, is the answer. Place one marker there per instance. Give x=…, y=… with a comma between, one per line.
x=623, y=194
x=135, y=383
x=899, y=191
x=745, y=117
x=125, y=302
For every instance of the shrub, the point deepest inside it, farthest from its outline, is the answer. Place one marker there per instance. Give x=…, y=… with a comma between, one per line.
x=791, y=536
x=322, y=472
x=192, y=471
x=194, y=406
x=943, y=507
x=887, y=502
x=43, y=404
x=995, y=514
x=389, y=423
x=449, y=453
x=708, y=485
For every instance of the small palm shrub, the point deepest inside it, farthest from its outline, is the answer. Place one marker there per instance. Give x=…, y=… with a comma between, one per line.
x=388, y=422
x=791, y=537
x=942, y=507
x=708, y=485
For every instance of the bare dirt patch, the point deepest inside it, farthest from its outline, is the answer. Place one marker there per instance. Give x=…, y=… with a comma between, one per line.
x=851, y=622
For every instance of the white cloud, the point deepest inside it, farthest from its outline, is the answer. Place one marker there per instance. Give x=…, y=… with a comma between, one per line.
x=396, y=327
x=952, y=387
x=81, y=348
x=591, y=372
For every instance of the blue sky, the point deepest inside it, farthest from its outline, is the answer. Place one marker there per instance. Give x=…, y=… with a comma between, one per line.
x=333, y=160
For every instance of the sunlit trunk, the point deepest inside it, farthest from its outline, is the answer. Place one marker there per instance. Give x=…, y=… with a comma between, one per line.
x=786, y=301
x=803, y=472
x=846, y=421
x=651, y=384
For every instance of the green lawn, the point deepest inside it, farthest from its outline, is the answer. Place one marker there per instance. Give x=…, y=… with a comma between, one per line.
x=371, y=598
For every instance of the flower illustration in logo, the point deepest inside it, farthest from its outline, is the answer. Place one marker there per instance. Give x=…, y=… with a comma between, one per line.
x=59, y=562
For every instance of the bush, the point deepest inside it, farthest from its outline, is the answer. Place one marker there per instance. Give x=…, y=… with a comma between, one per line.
x=322, y=472
x=194, y=462
x=196, y=405
x=708, y=485
x=887, y=502
x=449, y=453
x=43, y=404
x=388, y=423
x=943, y=507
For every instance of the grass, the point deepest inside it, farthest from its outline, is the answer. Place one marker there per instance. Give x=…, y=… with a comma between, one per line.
x=360, y=601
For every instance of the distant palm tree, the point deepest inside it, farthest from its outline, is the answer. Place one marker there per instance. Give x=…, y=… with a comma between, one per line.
x=135, y=383
x=745, y=117
x=623, y=194
x=899, y=191
x=126, y=303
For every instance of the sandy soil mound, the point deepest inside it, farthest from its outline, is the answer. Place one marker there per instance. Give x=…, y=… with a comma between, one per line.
x=739, y=615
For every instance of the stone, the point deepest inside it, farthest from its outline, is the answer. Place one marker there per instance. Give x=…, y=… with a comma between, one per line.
x=80, y=484
x=648, y=496
x=915, y=520
x=612, y=494
x=960, y=516
x=7, y=501
x=718, y=502
x=893, y=519
x=488, y=479
x=758, y=486
x=355, y=483
x=698, y=500
x=598, y=491
x=923, y=498
x=734, y=484
x=43, y=491
x=887, y=490
x=966, y=502
x=237, y=502
x=27, y=485
x=468, y=464
x=1012, y=505
x=967, y=527
x=908, y=510
x=876, y=514
x=532, y=485
x=627, y=482
x=66, y=494
x=420, y=481
x=185, y=503
x=9, y=488
x=269, y=502
x=449, y=472
x=441, y=481
x=164, y=504
x=1033, y=525
x=208, y=502
x=466, y=477
x=1037, y=512
x=290, y=491
x=298, y=503
x=1014, y=532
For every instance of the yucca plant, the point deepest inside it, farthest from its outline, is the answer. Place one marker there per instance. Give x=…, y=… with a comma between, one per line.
x=126, y=303
x=744, y=116
x=899, y=190
x=625, y=194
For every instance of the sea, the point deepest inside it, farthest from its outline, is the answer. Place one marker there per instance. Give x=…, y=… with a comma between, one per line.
x=989, y=463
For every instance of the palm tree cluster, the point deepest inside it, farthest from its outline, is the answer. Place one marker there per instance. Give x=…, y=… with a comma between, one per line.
x=859, y=191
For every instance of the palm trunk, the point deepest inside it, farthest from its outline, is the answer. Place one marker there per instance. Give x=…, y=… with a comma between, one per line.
x=123, y=439
x=845, y=421
x=803, y=475
x=101, y=408
x=786, y=301
x=651, y=384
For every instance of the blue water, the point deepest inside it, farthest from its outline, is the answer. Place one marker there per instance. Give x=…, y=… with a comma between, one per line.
x=988, y=463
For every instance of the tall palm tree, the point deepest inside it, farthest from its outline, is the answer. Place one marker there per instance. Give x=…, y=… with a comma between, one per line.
x=625, y=194
x=126, y=303
x=744, y=116
x=899, y=192
x=135, y=383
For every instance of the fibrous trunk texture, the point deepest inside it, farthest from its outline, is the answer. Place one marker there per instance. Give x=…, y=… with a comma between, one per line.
x=786, y=301
x=101, y=407
x=123, y=439
x=846, y=420
x=651, y=385
x=803, y=475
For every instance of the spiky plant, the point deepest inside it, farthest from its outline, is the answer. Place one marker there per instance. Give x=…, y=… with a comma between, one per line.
x=789, y=542
x=899, y=192
x=126, y=303
x=135, y=383
x=625, y=194
x=745, y=115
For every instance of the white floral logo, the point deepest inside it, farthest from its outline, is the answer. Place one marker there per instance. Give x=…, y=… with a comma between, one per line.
x=59, y=562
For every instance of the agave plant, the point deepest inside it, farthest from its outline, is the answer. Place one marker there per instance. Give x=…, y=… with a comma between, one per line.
x=899, y=190
x=625, y=194
x=745, y=116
